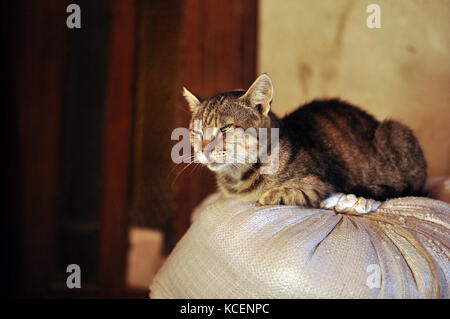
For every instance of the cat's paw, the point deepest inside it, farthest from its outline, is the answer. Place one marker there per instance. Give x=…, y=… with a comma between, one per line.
x=282, y=196
x=331, y=201
x=350, y=204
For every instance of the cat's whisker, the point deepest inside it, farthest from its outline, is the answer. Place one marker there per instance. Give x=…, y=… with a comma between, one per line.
x=177, y=165
x=182, y=170
x=180, y=165
x=195, y=168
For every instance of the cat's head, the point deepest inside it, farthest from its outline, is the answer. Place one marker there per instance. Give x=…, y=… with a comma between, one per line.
x=217, y=124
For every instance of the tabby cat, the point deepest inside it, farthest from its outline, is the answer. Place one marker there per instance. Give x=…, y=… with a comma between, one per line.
x=324, y=147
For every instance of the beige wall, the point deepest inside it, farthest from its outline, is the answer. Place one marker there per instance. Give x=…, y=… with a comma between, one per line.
x=323, y=48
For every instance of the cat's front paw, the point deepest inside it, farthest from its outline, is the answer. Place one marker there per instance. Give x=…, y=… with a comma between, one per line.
x=282, y=196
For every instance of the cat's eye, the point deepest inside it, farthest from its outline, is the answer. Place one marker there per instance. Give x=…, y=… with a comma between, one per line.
x=226, y=127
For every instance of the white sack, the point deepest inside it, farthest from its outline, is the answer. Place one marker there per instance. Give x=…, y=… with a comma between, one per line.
x=237, y=250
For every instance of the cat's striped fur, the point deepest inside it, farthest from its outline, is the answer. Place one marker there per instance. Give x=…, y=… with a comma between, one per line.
x=325, y=146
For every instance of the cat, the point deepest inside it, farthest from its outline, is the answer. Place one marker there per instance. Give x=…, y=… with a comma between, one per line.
x=324, y=147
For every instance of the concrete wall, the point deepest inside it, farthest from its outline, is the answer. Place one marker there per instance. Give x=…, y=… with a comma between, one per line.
x=323, y=48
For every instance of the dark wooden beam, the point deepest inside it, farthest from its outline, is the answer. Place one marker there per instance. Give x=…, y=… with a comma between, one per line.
x=157, y=92
x=82, y=147
x=117, y=149
x=37, y=57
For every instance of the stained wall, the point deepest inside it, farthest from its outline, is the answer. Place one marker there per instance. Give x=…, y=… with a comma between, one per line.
x=315, y=49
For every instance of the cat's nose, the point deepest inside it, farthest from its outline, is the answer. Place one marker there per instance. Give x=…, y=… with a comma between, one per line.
x=205, y=143
x=211, y=144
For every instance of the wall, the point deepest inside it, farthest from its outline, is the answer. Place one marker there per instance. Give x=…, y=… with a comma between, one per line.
x=315, y=49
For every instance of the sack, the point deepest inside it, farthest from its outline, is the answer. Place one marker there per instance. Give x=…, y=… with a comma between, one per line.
x=238, y=250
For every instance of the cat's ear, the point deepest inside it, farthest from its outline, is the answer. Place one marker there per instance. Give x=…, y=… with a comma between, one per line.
x=260, y=94
x=192, y=100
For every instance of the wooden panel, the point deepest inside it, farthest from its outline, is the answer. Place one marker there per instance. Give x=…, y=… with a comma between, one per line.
x=82, y=147
x=118, y=117
x=37, y=58
x=10, y=198
x=157, y=92
x=219, y=54
x=71, y=114
x=68, y=116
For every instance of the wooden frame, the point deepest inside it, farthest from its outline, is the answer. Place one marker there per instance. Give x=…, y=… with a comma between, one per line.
x=44, y=65
x=118, y=127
